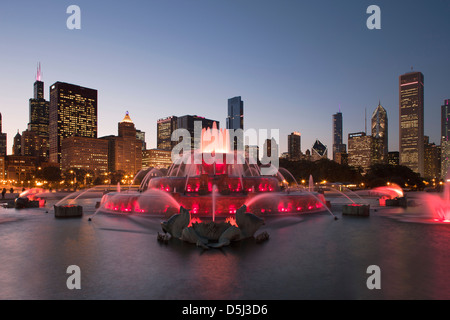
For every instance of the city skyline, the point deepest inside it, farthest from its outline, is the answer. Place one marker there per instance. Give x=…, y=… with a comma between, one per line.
x=281, y=68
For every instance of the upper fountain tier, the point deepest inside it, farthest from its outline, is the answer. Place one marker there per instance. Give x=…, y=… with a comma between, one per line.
x=213, y=157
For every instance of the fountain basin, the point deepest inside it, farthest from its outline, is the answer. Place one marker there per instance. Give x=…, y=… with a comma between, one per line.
x=397, y=202
x=68, y=211
x=24, y=203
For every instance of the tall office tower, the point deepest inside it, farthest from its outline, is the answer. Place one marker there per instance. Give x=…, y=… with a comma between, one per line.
x=3, y=137
x=165, y=128
x=338, y=145
x=72, y=112
x=235, y=120
x=39, y=109
x=411, y=107
x=445, y=138
x=360, y=148
x=379, y=135
x=319, y=151
x=294, y=146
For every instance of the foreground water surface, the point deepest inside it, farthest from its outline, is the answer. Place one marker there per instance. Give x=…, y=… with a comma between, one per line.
x=306, y=257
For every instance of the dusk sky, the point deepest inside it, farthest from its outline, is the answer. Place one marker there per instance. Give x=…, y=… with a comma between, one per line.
x=293, y=62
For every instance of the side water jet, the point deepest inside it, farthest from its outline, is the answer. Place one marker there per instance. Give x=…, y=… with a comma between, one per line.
x=214, y=197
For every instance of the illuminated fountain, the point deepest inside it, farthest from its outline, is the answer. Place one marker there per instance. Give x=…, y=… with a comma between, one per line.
x=213, y=182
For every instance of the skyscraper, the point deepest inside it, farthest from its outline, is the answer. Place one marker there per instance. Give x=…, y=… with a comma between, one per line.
x=319, y=151
x=141, y=136
x=17, y=144
x=445, y=138
x=360, y=148
x=3, y=137
x=165, y=128
x=411, y=108
x=235, y=119
x=338, y=145
x=35, y=140
x=379, y=135
x=39, y=109
x=294, y=146
x=72, y=112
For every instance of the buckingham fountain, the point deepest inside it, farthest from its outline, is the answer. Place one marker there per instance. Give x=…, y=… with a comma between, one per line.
x=213, y=182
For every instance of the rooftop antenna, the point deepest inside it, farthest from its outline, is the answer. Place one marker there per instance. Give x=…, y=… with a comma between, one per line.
x=39, y=74
x=365, y=120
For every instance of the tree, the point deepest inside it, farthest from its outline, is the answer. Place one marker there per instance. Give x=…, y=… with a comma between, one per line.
x=323, y=169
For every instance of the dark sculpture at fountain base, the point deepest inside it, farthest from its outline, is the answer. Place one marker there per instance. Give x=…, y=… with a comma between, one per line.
x=213, y=234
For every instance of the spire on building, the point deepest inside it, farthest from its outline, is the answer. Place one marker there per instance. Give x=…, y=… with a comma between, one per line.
x=127, y=118
x=39, y=72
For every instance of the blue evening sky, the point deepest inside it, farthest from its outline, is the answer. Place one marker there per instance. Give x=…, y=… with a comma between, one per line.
x=293, y=62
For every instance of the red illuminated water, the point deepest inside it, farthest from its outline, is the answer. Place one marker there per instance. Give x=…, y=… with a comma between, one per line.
x=34, y=194
x=389, y=192
x=438, y=206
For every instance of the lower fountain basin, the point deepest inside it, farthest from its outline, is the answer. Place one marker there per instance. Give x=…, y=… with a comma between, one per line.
x=360, y=210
